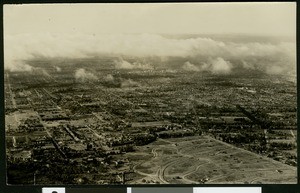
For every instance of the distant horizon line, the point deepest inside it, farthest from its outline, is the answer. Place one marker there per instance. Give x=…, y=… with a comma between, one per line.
x=163, y=34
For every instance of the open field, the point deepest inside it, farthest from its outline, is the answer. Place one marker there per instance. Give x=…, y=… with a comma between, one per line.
x=202, y=159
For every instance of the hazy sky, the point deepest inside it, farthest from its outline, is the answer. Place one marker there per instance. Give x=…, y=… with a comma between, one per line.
x=216, y=18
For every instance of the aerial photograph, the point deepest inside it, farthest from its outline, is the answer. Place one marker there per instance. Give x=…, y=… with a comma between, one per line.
x=150, y=93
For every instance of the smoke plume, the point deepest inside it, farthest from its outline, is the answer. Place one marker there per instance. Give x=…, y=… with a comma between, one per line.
x=129, y=83
x=58, y=69
x=82, y=75
x=220, y=66
x=123, y=64
x=187, y=66
x=109, y=78
x=14, y=66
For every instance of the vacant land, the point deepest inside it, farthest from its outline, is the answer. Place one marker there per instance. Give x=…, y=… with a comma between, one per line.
x=202, y=159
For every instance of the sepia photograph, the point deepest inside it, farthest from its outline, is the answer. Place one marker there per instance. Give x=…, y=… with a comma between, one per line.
x=150, y=93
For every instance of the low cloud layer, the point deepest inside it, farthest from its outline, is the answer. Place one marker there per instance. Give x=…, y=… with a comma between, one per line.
x=200, y=53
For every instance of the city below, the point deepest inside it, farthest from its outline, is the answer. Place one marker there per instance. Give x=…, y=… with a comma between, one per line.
x=113, y=120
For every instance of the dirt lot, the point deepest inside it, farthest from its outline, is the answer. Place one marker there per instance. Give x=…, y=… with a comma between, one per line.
x=201, y=159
